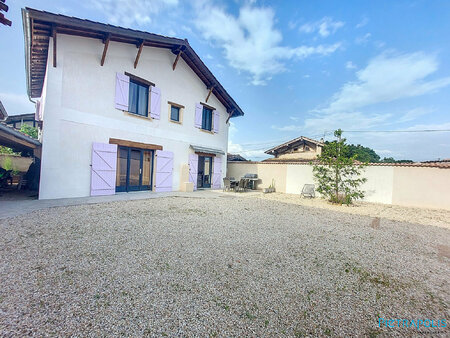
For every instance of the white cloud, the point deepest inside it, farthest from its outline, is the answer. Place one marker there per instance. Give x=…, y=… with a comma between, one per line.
x=250, y=41
x=387, y=78
x=350, y=65
x=361, y=40
x=320, y=123
x=364, y=21
x=324, y=27
x=414, y=114
x=16, y=103
x=131, y=12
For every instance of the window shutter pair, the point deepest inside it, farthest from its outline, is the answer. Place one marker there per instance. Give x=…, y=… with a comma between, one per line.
x=122, y=96
x=199, y=117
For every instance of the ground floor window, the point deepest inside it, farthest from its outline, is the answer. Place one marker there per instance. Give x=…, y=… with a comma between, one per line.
x=134, y=169
x=204, y=172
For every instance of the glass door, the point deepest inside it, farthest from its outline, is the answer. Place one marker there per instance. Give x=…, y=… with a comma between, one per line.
x=204, y=172
x=134, y=169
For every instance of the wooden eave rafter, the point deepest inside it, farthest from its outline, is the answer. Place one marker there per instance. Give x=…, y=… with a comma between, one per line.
x=44, y=25
x=105, y=48
x=178, y=52
x=209, y=93
x=138, y=55
x=54, y=44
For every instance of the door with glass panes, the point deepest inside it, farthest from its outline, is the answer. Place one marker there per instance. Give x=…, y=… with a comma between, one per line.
x=134, y=169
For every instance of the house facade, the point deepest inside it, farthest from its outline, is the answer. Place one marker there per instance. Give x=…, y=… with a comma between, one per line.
x=299, y=149
x=123, y=110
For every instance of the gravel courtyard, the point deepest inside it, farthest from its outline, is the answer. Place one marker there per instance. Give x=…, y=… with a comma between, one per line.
x=218, y=266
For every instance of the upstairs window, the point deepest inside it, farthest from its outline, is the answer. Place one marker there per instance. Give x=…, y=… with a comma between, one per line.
x=207, y=118
x=138, y=98
x=175, y=114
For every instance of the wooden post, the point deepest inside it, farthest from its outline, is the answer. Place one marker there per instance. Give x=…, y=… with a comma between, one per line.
x=230, y=113
x=105, y=49
x=138, y=54
x=209, y=93
x=54, y=44
x=176, y=60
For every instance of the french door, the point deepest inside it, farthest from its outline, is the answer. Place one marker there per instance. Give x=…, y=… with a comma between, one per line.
x=134, y=169
x=204, y=172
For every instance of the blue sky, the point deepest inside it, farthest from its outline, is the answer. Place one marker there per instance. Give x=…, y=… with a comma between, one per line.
x=295, y=67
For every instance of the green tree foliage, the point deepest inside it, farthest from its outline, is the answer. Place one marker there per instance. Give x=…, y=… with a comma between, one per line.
x=337, y=174
x=30, y=131
x=392, y=160
x=363, y=154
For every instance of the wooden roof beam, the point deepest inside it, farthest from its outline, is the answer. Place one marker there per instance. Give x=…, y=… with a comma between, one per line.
x=54, y=44
x=209, y=93
x=105, y=48
x=138, y=55
x=176, y=59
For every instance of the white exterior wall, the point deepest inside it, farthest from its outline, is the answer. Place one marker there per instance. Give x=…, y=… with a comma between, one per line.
x=407, y=186
x=79, y=110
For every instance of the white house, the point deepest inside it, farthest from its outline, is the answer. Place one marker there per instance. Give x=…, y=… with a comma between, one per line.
x=122, y=110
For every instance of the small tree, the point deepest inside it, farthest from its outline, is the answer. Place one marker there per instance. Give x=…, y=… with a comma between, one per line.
x=337, y=174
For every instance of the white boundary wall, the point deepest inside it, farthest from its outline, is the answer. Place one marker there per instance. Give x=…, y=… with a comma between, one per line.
x=427, y=187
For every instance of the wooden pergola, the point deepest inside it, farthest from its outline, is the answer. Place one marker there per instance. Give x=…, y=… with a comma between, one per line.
x=12, y=138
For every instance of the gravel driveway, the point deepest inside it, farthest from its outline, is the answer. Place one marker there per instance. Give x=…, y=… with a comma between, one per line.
x=218, y=266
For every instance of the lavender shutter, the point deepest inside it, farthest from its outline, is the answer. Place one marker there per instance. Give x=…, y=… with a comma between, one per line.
x=103, y=169
x=198, y=115
x=216, y=121
x=155, y=102
x=217, y=173
x=122, y=91
x=193, y=169
x=164, y=169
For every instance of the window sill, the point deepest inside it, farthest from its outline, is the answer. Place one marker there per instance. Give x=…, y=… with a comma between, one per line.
x=148, y=118
x=207, y=131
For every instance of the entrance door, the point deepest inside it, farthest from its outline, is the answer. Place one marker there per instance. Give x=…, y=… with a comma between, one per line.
x=134, y=169
x=204, y=172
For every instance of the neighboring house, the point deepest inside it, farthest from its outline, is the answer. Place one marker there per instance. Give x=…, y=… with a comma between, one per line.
x=3, y=113
x=235, y=157
x=298, y=149
x=122, y=110
x=16, y=121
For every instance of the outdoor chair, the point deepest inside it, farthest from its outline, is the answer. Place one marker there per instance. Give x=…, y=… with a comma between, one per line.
x=242, y=186
x=22, y=183
x=226, y=184
x=308, y=191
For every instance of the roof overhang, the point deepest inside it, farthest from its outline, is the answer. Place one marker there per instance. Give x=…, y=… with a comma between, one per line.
x=206, y=150
x=16, y=140
x=39, y=26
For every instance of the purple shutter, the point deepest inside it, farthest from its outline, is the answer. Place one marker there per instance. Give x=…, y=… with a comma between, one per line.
x=198, y=115
x=216, y=121
x=164, y=169
x=155, y=102
x=122, y=91
x=193, y=169
x=217, y=173
x=103, y=169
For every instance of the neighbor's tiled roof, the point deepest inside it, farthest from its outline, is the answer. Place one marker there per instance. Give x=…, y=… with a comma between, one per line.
x=440, y=164
x=286, y=144
x=3, y=113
